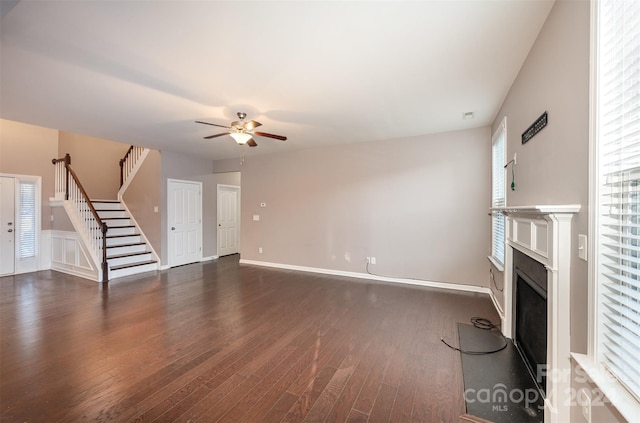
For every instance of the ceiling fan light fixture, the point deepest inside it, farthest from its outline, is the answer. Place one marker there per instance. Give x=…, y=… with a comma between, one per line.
x=241, y=137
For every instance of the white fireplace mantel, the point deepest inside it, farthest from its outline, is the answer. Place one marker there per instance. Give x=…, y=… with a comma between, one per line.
x=543, y=232
x=540, y=209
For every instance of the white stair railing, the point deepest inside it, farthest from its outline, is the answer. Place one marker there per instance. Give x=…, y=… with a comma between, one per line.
x=61, y=176
x=128, y=162
x=92, y=229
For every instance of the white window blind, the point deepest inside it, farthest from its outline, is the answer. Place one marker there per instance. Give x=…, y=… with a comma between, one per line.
x=498, y=198
x=27, y=220
x=618, y=152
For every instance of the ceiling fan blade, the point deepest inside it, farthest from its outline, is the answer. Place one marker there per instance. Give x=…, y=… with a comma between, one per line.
x=213, y=124
x=264, y=134
x=252, y=143
x=251, y=125
x=216, y=135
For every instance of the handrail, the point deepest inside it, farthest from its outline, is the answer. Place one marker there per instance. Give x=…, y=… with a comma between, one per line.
x=128, y=162
x=84, y=194
x=81, y=201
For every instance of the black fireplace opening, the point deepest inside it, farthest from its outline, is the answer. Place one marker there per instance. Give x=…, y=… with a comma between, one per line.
x=530, y=298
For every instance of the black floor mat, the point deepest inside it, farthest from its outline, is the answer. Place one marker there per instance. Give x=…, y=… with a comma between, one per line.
x=498, y=386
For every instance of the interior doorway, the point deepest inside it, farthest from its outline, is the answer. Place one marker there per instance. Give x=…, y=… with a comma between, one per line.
x=184, y=221
x=228, y=220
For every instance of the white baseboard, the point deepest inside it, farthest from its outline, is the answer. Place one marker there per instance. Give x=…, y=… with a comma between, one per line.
x=497, y=306
x=430, y=284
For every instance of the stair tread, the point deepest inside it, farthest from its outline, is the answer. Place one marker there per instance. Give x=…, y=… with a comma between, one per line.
x=105, y=201
x=114, y=218
x=125, y=266
x=140, y=253
x=127, y=245
x=109, y=210
x=121, y=236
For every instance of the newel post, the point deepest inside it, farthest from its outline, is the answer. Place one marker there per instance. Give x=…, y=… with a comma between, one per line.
x=105, y=267
x=67, y=162
x=122, y=172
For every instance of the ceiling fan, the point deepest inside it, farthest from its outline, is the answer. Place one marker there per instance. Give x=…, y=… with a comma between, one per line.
x=242, y=131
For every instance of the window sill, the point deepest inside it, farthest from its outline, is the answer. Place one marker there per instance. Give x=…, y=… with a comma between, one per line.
x=619, y=397
x=496, y=263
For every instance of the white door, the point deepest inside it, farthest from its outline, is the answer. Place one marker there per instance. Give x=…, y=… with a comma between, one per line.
x=228, y=220
x=7, y=225
x=184, y=218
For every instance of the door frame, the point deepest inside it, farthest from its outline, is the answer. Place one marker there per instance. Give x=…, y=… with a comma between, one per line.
x=238, y=189
x=170, y=250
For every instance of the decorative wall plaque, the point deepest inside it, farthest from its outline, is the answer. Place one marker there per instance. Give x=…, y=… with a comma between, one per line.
x=535, y=127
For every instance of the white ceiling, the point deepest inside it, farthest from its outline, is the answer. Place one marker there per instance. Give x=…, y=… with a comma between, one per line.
x=320, y=73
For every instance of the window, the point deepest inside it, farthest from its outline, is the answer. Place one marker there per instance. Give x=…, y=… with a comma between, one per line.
x=498, y=197
x=617, y=216
x=27, y=223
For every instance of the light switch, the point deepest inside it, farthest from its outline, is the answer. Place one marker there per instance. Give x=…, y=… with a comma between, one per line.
x=582, y=247
x=155, y=209
x=256, y=217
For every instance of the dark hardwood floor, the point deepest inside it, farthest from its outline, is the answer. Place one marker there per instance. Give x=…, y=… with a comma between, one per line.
x=220, y=341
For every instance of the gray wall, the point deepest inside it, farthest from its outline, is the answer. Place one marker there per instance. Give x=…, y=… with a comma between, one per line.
x=553, y=167
x=419, y=205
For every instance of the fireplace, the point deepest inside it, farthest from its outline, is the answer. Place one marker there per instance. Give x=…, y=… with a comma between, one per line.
x=537, y=297
x=530, y=302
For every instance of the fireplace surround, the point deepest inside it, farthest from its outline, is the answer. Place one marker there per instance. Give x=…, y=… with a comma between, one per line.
x=543, y=233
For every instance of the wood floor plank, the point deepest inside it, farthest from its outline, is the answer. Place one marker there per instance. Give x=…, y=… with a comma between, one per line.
x=403, y=405
x=192, y=392
x=362, y=363
x=229, y=342
x=357, y=417
x=280, y=409
x=310, y=395
x=383, y=404
x=276, y=381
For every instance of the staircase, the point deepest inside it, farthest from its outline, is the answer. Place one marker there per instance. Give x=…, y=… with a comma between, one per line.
x=127, y=252
x=110, y=236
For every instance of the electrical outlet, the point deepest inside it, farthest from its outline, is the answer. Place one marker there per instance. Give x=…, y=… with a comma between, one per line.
x=515, y=158
x=259, y=250
x=371, y=260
